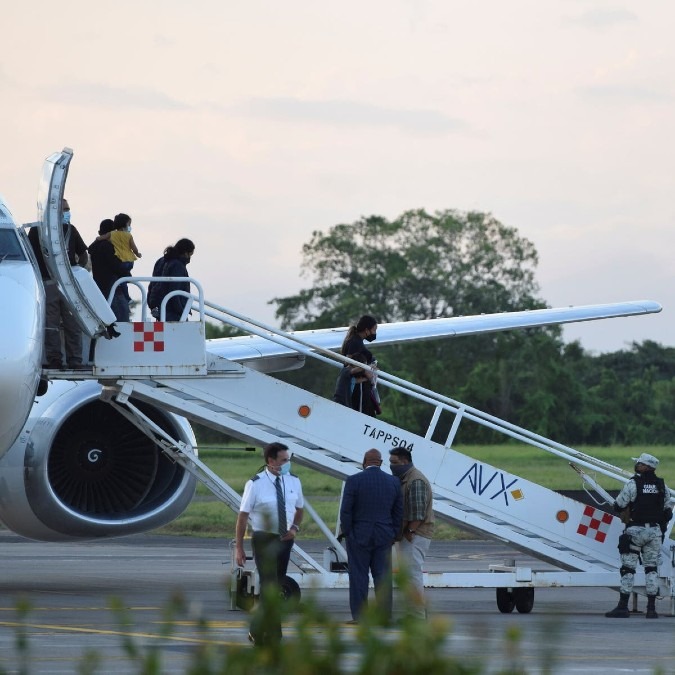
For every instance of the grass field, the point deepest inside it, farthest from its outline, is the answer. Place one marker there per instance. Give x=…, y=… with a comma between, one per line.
x=207, y=517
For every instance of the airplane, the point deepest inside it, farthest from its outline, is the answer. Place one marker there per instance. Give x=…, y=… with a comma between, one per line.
x=72, y=468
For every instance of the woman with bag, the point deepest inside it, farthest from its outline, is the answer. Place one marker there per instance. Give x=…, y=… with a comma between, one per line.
x=172, y=264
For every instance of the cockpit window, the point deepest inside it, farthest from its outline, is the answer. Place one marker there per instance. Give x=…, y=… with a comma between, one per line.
x=10, y=248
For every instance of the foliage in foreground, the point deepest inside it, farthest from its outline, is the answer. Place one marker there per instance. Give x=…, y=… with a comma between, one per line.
x=313, y=643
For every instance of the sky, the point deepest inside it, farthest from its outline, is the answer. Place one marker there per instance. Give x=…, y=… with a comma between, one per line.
x=246, y=126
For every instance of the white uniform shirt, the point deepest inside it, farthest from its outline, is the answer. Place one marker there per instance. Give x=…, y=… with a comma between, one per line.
x=260, y=500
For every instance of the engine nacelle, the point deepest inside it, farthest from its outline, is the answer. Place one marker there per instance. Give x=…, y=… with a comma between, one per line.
x=80, y=470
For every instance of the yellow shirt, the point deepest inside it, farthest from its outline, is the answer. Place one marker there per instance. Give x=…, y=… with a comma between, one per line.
x=121, y=240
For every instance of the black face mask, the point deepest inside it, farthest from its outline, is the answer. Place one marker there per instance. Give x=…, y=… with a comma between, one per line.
x=400, y=469
x=370, y=338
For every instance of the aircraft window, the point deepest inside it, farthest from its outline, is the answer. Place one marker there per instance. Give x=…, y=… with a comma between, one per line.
x=10, y=248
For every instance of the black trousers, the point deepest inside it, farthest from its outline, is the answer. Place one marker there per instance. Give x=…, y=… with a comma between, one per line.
x=271, y=556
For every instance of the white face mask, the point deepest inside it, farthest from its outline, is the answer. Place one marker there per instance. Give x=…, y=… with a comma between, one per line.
x=285, y=468
x=66, y=217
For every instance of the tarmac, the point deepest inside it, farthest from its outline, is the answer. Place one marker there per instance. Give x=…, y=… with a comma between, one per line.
x=67, y=606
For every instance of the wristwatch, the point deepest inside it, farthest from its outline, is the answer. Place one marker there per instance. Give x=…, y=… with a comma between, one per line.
x=409, y=531
x=295, y=527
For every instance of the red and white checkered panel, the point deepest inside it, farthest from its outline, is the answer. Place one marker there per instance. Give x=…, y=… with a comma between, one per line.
x=595, y=523
x=149, y=336
x=153, y=348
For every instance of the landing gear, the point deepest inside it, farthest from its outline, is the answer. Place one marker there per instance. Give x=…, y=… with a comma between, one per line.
x=520, y=598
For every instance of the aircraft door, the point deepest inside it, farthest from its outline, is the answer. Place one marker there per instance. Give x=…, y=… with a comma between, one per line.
x=86, y=300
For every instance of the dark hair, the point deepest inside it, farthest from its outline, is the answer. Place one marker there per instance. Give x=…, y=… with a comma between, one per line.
x=121, y=221
x=180, y=248
x=106, y=226
x=271, y=450
x=364, y=323
x=403, y=453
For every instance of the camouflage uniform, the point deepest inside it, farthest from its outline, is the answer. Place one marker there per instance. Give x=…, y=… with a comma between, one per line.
x=648, y=499
x=645, y=539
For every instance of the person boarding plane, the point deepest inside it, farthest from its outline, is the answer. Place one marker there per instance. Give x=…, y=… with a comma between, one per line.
x=95, y=456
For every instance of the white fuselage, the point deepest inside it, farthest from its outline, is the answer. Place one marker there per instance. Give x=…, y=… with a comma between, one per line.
x=21, y=330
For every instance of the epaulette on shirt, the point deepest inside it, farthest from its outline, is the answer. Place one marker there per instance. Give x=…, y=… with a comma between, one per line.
x=256, y=477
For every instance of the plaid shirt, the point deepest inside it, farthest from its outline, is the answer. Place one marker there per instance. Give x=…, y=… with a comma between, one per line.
x=416, y=504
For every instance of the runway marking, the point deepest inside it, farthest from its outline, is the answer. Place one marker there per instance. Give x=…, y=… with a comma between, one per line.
x=208, y=624
x=96, y=631
x=100, y=631
x=80, y=609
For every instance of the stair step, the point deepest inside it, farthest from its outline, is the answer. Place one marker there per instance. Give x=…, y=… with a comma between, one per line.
x=259, y=408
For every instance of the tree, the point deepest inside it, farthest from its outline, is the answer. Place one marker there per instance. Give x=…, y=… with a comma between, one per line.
x=418, y=266
x=451, y=263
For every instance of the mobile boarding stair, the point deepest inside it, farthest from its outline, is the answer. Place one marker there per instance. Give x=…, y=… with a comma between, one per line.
x=169, y=365
x=578, y=539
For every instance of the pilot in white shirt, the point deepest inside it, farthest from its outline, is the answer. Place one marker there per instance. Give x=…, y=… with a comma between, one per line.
x=271, y=496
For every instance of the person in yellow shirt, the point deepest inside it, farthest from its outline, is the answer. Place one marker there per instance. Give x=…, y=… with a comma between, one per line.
x=124, y=244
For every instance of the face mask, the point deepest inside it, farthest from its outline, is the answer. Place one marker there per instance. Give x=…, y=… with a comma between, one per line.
x=66, y=217
x=371, y=337
x=285, y=469
x=399, y=469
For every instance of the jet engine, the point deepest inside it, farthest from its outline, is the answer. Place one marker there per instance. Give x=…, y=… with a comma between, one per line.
x=80, y=470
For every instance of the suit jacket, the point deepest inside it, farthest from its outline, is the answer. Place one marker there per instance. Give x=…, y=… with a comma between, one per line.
x=372, y=508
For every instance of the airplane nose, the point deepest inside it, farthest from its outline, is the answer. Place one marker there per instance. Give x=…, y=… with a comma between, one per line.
x=21, y=338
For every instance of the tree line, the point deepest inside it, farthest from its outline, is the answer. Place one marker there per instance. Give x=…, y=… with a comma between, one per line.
x=454, y=263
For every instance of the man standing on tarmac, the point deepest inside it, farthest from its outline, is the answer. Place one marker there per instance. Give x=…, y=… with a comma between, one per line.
x=648, y=499
x=418, y=522
x=370, y=516
x=273, y=499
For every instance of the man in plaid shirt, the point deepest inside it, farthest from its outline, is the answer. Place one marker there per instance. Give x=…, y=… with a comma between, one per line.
x=418, y=522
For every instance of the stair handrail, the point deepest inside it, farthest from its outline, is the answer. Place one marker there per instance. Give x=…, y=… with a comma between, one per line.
x=460, y=410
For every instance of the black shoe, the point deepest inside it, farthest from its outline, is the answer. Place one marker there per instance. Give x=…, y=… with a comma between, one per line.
x=78, y=366
x=53, y=365
x=618, y=613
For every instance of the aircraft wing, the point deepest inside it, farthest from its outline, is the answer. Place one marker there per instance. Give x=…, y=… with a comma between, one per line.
x=252, y=348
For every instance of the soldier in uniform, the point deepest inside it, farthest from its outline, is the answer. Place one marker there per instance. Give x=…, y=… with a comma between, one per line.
x=648, y=500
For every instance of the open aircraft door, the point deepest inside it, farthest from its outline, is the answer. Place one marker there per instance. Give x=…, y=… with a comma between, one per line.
x=87, y=303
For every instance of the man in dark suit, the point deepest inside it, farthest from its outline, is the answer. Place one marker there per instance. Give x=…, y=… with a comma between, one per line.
x=371, y=515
